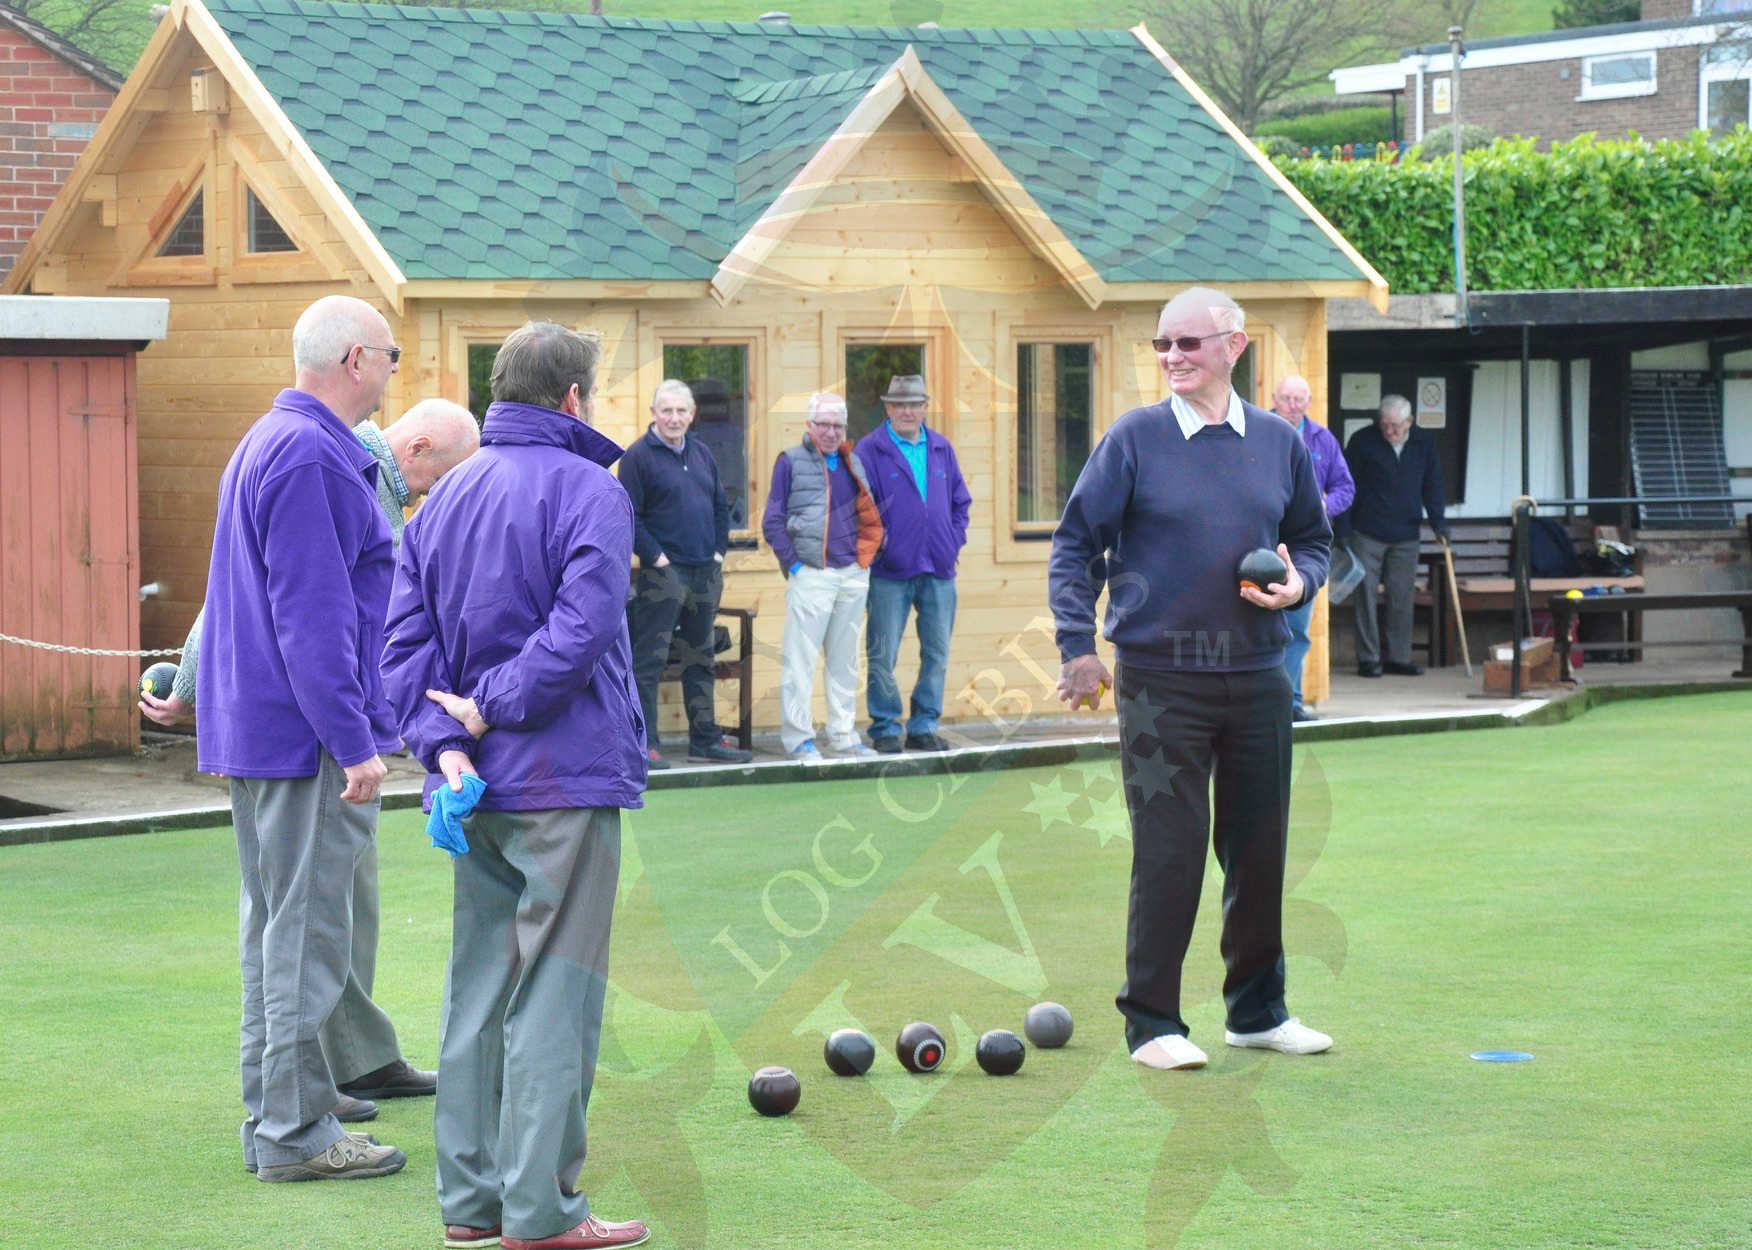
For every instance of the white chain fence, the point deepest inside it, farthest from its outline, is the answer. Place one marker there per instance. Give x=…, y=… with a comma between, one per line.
x=57, y=646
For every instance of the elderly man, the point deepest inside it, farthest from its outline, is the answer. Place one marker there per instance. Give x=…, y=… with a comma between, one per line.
x=1398, y=474
x=1172, y=498
x=917, y=484
x=364, y=1057
x=681, y=530
x=825, y=530
x=508, y=651
x=293, y=712
x=1290, y=401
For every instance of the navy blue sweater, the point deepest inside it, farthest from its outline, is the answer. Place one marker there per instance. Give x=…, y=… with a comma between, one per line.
x=679, y=508
x=1393, y=490
x=1174, y=516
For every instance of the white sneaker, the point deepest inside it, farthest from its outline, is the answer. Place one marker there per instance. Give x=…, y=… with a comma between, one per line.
x=1170, y=1052
x=851, y=751
x=806, y=753
x=1292, y=1037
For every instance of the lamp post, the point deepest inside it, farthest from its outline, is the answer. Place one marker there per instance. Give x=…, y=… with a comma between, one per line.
x=1457, y=50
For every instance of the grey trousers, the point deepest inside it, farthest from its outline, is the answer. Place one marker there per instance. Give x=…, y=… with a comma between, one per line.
x=1394, y=566
x=297, y=845
x=534, y=900
x=358, y=1037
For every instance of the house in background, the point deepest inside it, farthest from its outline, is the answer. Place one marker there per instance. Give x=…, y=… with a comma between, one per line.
x=765, y=210
x=1687, y=65
x=52, y=96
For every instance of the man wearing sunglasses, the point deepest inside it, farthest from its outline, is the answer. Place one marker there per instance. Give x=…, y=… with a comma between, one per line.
x=293, y=711
x=1171, y=499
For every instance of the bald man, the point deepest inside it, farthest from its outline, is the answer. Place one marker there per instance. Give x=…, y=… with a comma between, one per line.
x=359, y=1040
x=293, y=711
x=1290, y=401
x=1172, y=497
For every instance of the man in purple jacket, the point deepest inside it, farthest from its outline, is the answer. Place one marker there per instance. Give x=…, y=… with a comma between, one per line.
x=917, y=484
x=508, y=652
x=292, y=710
x=1290, y=401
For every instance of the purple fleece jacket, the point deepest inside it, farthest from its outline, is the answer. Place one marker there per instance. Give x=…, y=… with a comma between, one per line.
x=924, y=535
x=512, y=589
x=295, y=601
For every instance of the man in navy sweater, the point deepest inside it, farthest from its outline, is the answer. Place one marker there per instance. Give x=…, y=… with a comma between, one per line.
x=1398, y=475
x=1171, y=499
x=681, y=530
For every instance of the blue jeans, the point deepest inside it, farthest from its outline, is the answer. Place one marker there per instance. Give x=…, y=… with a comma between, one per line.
x=889, y=602
x=1297, y=649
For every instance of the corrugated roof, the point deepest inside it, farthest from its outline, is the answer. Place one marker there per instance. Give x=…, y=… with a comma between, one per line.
x=521, y=145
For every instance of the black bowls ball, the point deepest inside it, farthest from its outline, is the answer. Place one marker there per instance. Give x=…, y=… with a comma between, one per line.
x=920, y=1047
x=1262, y=567
x=1000, y=1052
x=156, y=681
x=849, y=1052
x=774, y=1091
x=1047, y=1025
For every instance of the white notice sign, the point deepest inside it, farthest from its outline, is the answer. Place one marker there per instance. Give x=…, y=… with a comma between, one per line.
x=1359, y=391
x=1432, y=403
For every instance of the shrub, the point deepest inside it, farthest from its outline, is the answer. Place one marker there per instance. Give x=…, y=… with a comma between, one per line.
x=1367, y=124
x=1587, y=213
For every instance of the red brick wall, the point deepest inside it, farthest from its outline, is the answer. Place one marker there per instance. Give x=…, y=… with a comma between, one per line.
x=48, y=110
x=1655, y=9
x=1538, y=99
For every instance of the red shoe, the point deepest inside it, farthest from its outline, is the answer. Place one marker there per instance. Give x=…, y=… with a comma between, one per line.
x=590, y=1235
x=462, y=1237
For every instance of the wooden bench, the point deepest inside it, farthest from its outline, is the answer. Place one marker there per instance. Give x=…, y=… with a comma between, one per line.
x=739, y=666
x=1564, y=610
x=1483, y=550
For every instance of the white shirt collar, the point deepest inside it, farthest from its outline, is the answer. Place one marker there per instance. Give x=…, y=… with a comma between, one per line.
x=1191, y=422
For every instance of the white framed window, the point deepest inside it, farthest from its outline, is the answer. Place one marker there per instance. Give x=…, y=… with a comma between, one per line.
x=1724, y=89
x=1622, y=74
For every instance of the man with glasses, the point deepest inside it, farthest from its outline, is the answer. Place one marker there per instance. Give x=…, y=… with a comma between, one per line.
x=1290, y=401
x=292, y=710
x=1172, y=498
x=917, y=484
x=1398, y=474
x=824, y=527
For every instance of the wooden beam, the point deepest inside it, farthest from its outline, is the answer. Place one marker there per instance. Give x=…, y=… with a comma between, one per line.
x=568, y=289
x=101, y=190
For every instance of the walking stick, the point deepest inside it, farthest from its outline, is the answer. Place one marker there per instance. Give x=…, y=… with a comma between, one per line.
x=1454, y=597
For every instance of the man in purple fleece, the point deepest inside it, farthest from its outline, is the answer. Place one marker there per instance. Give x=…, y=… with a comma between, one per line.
x=1290, y=401
x=292, y=710
x=508, y=653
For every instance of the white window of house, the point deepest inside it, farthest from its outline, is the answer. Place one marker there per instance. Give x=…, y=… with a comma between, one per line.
x=1625, y=74
x=1725, y=88
x=1705, y=7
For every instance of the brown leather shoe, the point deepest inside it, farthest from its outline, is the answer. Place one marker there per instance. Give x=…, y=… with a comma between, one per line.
x=592, y=1234
x=350, y=1110
x=462, y=1237
x=400, y=1079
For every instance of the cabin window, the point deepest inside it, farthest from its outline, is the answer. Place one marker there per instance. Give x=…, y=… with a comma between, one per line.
x=1055, y=393
x=869, y=369
x=189, y=237
x=1610, y=77
x=265, y=234
x=717, y=373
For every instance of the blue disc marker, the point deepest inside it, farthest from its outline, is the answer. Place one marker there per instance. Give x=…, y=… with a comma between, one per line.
x=1501, y=1056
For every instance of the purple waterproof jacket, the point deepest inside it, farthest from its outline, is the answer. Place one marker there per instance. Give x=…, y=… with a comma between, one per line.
x=512, y=589
x=295, y=601
x=923, y=535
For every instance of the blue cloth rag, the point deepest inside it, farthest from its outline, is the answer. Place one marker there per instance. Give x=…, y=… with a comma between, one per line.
x=449, y=809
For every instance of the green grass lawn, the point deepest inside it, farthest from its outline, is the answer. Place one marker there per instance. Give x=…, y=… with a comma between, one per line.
x=1580, y=891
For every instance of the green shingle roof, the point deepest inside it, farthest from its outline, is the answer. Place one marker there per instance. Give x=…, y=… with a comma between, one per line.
x=486, y=144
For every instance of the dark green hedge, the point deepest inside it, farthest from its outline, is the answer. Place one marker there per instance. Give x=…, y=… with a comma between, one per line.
x=1366, y=124
x=1587, y=213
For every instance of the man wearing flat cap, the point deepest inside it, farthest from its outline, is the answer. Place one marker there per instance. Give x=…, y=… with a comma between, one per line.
x=924, y=501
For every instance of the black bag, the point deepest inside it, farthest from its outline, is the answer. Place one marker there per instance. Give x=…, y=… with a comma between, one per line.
x=1550, y=553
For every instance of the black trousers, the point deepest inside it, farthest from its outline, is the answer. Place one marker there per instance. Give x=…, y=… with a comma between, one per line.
x=1179, y=732
x=677, y=603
